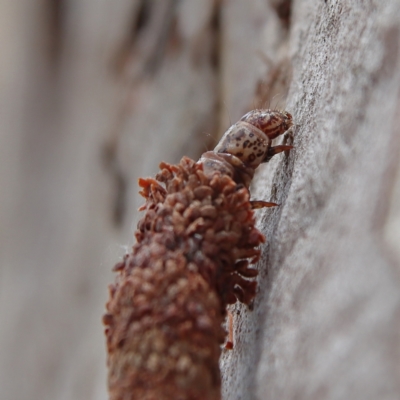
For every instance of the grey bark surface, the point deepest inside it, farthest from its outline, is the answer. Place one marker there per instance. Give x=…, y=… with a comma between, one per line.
x=96, y=94
x=326, y=319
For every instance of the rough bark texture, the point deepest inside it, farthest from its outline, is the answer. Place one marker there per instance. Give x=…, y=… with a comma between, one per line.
x=95, y=94
x=326, y=320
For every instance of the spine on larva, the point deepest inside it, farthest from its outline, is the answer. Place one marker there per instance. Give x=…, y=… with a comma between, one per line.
x=192, y=258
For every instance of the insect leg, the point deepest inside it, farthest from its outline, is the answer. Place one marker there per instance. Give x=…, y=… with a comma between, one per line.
x=256, y=204
x=229, y=342
x=276, y=150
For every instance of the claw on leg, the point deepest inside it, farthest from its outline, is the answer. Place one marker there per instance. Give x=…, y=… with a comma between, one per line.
x=276, y=150
x=257, y=204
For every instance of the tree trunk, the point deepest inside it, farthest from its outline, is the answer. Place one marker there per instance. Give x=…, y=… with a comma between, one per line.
x=96, y=94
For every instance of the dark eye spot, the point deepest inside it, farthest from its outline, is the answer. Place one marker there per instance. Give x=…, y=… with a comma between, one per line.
x=251, y=135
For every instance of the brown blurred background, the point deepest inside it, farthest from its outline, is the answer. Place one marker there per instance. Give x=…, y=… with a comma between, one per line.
x=94, y=94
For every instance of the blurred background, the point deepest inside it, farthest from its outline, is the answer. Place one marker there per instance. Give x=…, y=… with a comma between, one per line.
x=93, y=95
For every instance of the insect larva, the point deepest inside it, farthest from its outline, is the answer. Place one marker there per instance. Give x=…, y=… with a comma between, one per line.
x=194, y=247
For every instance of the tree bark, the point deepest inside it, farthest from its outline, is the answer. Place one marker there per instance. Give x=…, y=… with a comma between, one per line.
x=326, y=319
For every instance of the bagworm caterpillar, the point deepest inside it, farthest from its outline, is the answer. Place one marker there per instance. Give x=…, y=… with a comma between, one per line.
x=194, y=247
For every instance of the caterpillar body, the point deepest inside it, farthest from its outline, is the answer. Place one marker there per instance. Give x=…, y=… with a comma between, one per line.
x=192, y=258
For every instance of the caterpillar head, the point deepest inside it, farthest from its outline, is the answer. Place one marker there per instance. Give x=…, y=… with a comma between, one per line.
x=250, y=138
x=272, y=122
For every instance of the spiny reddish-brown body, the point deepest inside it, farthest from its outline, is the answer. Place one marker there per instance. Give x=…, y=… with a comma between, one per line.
x=194, y=246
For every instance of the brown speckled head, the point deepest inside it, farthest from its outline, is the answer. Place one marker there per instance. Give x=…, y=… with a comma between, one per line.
x=272, y=122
